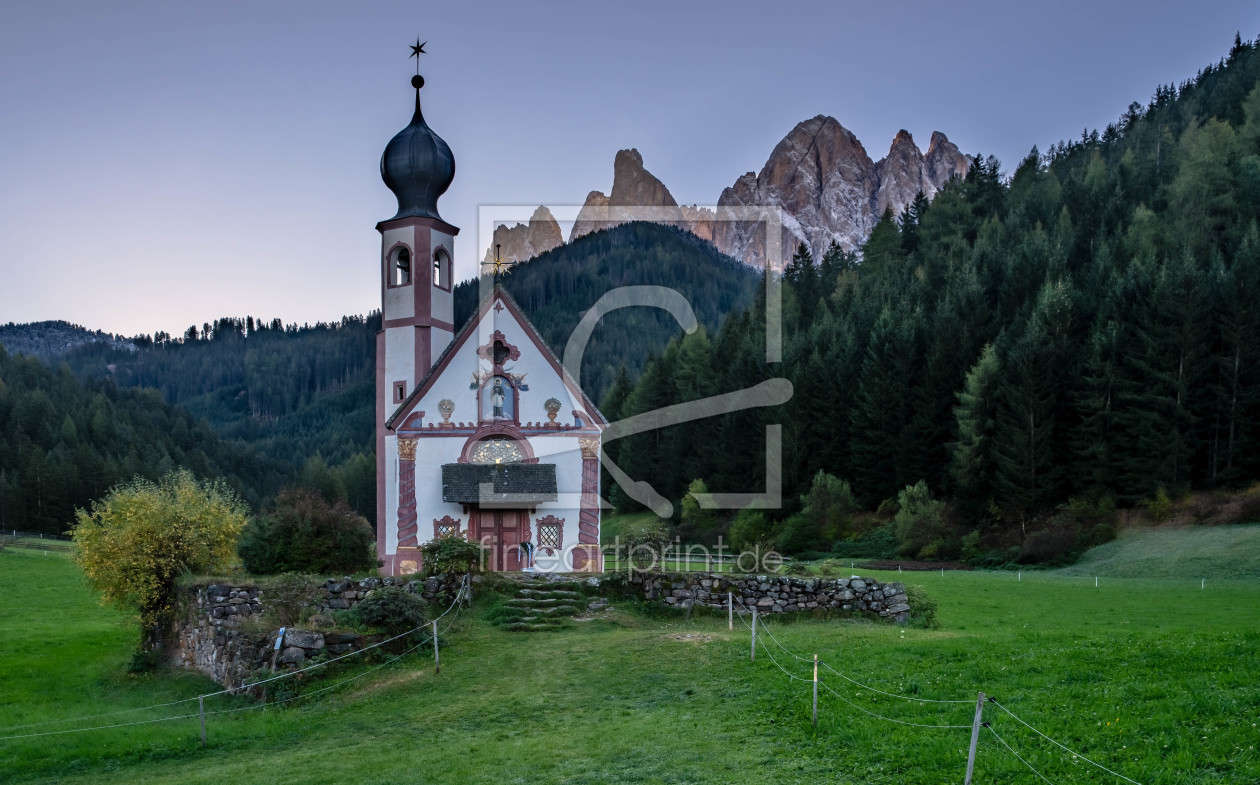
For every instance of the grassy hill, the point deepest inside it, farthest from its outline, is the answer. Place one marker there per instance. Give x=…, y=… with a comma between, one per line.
x=1215, y=552
x=1138, y=675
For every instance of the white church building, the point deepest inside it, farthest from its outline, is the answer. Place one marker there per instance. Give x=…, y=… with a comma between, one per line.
x=480, y=431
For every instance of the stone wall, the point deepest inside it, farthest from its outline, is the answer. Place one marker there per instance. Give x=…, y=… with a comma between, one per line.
x=773, y=594
x=209, y=635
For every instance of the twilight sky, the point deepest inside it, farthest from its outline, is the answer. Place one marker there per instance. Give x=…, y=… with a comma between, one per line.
x=164, y=164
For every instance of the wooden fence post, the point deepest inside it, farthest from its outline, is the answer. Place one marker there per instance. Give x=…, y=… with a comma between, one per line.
x=815, y=690
x=730, y=610
x=437, y=659
x=753, y=658
x=201, y=709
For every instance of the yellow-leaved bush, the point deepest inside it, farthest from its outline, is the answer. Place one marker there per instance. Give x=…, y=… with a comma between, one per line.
x=140, y=537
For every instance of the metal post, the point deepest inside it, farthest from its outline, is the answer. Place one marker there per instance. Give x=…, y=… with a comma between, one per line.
x=730, y=610
x=975, y=736
x=815, y=690
x=753, y=658
x=437, y=660
x=201, y=709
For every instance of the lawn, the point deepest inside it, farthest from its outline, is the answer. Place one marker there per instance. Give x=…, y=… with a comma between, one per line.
x=1154, y=679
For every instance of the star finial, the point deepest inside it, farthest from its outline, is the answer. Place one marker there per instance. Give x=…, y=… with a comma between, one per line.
x=498, y=267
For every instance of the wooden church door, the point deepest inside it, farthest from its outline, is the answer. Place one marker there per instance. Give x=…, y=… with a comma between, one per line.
x=500, y=531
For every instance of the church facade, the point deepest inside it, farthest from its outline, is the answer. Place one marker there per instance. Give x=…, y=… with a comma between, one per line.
x=480, y=431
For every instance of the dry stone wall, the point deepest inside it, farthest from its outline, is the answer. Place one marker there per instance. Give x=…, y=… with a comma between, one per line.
x=776, y=594
x=210, y=635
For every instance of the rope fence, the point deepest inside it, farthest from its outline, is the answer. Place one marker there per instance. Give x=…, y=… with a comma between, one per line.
x=760, y=631
x=456, y=606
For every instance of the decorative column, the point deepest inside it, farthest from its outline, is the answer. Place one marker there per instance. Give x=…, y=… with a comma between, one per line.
x=587, y=556
x=408, y=558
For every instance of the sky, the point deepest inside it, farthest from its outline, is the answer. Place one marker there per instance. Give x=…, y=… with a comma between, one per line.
x=166, y=164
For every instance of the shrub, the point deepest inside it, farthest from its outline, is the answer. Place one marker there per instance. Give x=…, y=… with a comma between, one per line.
x=922, y=608
x=1161, y=507
x=878, y=543
x=393, y=609
x=645, y=549
x=452, y=555
x=138, y=539
x=749, y=528
x=971, y=546
x=1049, y=545
x=306, y=533
x=920, y=520
x=697, y=524
x=798, y=534
x=829, y=505
x=290, y=594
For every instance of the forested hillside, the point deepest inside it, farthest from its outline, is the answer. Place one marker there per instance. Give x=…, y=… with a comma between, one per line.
x=557, y=288
x=300, y=398
x=64, y=443
x=1087, y=328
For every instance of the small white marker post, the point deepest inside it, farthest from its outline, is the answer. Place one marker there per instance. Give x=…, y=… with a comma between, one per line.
x=815, y=690
x=1203, y=583
x=942, y=572
x=1095, y=581
x=975, y=737
x=730, y=610
x=753, y=657
x=437, y=660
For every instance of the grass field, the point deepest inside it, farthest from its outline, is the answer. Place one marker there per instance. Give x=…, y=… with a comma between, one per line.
x=1155, y=679
x=1190, y=554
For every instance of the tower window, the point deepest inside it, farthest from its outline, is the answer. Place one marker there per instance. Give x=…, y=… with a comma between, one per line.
x=400, y=392
x=442, y=269
x=400, y=266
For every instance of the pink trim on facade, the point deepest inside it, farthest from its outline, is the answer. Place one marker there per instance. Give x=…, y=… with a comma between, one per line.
x=411, y=323
x=588, y=518
x=558, y=524
x=389, y=266
x=596, y=423
x=445, y=522
x=408, y=527
x=496, y=429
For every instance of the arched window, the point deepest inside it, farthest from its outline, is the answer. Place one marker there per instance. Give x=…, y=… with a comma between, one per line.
x=400, y=266
x=442, y=269
x=497, y=449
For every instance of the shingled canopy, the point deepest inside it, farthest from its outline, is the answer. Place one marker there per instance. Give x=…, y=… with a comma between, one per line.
x=502, y=483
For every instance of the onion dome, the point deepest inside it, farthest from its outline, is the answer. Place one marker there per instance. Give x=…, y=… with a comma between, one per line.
x=417, y=166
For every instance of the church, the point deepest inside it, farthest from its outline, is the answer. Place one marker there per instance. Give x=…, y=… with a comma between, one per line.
x=481, y=433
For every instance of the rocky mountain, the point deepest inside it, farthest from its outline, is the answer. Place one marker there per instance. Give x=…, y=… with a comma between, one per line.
x=49, y=340
x=828, y=188
x=525, y=241
x=820, y=176
x=633, y=188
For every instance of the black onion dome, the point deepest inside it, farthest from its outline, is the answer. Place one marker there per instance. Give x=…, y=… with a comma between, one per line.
x=418, y=167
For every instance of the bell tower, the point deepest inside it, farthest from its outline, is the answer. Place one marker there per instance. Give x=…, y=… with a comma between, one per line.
x=416, y=271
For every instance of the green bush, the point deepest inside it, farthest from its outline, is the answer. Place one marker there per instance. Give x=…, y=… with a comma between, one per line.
x=305, y=533
x=749, y=528
x=878, y=543
x=452, y=555
x=920, y=520
x=392, y=609
x=971, y=546
x=922, y=608
x=798, y=534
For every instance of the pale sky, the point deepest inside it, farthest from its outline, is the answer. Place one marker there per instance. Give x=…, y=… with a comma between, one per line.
x=164, y=164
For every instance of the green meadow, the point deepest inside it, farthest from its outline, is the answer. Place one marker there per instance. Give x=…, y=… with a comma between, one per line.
x=1154, y=678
